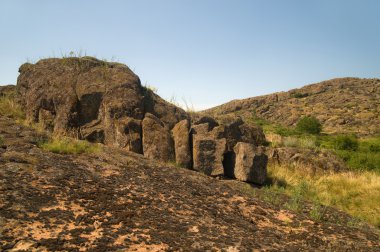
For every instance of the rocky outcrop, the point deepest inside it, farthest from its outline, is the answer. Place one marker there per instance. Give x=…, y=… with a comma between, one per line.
x=182, y=144
x=157, y=141
x=225, y=150
x=104, y=102
x=314, y=161
x=72, y=94
x=250, y=163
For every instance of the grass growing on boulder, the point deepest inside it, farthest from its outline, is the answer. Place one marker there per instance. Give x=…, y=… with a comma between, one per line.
x=65, y=145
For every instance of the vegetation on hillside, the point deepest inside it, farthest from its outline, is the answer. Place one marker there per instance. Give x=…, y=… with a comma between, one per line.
x=309, y=125
x=358, y=153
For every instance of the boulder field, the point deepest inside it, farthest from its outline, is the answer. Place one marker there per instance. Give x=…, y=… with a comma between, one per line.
x=105, y=102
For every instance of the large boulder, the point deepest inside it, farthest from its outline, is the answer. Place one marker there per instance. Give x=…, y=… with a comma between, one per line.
x=208, y=149
x=238, y=131
x=93, y=99
x=182, y=143
x=250, y=163
x=156, y=138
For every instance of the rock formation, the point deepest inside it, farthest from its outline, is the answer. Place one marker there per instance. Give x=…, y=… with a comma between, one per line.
x=105, y=102
x=182, y=143
x=250, y=164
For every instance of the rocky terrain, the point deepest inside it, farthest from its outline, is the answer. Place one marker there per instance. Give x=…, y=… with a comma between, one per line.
x=162, y=180
x=116, y=200
x=345, y=105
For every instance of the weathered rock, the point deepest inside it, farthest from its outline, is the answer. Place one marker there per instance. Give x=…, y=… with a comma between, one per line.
x=211, y=122
x=167, y=112
x=314, y=161
x=156, y=138
x=208, y=155
x=208, y=149
x=128, y=134
x=90, y=97
x=182, y=143
x=250, y=163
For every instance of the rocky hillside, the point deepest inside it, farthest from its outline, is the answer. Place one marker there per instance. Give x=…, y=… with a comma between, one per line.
x=116, y=200
x=342, y=105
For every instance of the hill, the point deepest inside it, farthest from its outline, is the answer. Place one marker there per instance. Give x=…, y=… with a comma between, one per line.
x=344, y=105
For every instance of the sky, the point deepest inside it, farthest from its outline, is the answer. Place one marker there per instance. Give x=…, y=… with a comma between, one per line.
x=203, y=52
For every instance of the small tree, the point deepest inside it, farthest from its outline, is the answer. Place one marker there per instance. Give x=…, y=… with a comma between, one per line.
x=309, y=124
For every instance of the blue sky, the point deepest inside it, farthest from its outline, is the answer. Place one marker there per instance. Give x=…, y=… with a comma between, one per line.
x=205, y=51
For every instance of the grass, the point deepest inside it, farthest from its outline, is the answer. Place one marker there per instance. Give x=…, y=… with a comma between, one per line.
x=10, y=108
x=366, y=157
x=363, y=157
x=65, y=145
x=357, y=193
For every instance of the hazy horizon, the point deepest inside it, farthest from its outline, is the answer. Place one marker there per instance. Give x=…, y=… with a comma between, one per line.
x=207, y=52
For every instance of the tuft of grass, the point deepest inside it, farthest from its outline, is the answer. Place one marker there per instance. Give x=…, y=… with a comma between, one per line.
x=298, y=193
x=65, y=145
x=10, y=108
x=318, y=211
x=357, y=193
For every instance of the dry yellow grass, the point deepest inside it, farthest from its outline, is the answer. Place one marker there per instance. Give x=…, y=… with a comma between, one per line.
x=357, y=193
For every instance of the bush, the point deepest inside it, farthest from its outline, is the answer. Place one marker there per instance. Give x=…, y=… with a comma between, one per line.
x=310, y=125
x=344, y=142
x=299, y=95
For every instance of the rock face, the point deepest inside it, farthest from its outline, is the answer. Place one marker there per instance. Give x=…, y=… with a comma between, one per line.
x=250, y=163
x=208, y=150
x=92, y=99
x=315, y=161
x=104, y=102
x=182, y=143
x=215, y=152
x=157, y=141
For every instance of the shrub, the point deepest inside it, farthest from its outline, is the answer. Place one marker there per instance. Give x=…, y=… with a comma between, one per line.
x=299, y=95
x=345, y=142
x=310, y=125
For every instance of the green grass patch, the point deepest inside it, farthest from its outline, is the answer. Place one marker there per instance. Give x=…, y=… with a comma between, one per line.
x=361, y=154
x=65, y=145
